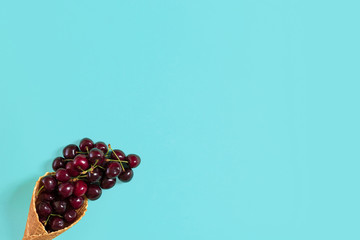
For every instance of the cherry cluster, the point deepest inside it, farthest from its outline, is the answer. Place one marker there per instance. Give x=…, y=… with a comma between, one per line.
x=82, y=173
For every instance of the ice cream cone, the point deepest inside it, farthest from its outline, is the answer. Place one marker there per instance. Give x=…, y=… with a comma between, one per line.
x=35, y=230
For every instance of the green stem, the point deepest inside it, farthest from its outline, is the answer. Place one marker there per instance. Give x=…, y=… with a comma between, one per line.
x=42, y=187
x=83, y=152
x=117, y=158
x=114, y=160
x=82, y=174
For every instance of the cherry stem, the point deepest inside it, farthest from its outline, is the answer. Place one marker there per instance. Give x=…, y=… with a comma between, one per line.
x=82, y=174
x=114, y=160
x=42, y=187
x=83, y=152
x=68, y=160
x=117, y=158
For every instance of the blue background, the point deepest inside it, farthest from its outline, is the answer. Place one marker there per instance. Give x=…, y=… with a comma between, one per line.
x=245, y=114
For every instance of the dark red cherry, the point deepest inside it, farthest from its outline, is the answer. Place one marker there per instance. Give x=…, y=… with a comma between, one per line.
x=134, y=160
x=56, y=223
x=42, y=219
x=94, y=175
x=70, y=151
x=86, y=144
x=113, y=170
x=108, y=183
x=58, y=163
x=96, y=156
x=49, y=183
x=73, y=172
x=80, y=188
x=66, y=189
x=102, y=146
x=127, y=175
x=93, y=192
x=59, y=206
x=81, y=163
x=118, y=153
x=76, y=202
x=44, y=209
x=46, y=196
x=70, y=216
x=62, y=175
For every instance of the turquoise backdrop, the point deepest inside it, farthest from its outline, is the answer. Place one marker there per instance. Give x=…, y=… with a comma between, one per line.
x=245, y=114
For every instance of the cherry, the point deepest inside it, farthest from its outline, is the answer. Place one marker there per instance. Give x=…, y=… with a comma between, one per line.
x=127, y=175
x=86, y=144
x=94, y=175
x=46, y=196
x=81, y=163
x=49, y=183
x=70, y=216
x=80, y=188
x=73, y=172
x=76, y=202
x=96, y=155
x=66, y=189
x=118, y=153
x=134, y=160
x=70, y=151
x=42, y=219
x=93, y=192
x=56, y=223
x=59, y=206
x=102, y=146
x=44, y=209
x=113, y=170
x=62, y=175
x=108, y=183
x=58, y=163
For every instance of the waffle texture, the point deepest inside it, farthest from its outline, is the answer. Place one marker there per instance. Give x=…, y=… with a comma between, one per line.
x=35, y=230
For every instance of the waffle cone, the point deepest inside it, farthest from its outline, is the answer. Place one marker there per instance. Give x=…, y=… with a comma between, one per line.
x=35, y=230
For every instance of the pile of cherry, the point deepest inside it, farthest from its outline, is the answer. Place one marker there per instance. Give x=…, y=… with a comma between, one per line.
x=82, y=173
